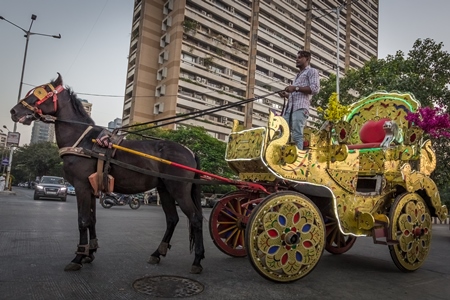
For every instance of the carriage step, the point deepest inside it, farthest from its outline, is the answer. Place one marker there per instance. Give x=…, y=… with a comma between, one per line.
x=380, y=234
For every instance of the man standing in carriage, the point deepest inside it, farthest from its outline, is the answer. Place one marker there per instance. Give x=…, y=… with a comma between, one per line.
x=299, y=94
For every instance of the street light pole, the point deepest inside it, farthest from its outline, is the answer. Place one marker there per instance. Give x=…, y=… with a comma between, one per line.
x=27, y=35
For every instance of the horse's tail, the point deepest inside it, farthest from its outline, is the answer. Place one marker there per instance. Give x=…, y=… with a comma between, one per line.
x=197, y=188
x=196, y=198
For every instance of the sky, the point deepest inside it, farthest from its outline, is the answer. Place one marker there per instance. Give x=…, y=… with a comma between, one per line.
x=95, y=36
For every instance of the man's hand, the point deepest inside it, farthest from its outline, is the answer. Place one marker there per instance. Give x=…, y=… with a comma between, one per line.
x=104, y=142
x=283, y=94
x=290, y=89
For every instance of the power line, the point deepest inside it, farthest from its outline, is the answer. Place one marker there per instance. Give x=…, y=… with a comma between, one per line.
x=87, y=37
x=147, y=96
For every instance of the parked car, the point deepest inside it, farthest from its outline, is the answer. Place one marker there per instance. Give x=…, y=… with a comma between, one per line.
x=70, y=189
x=213, y=199
x=51, y=187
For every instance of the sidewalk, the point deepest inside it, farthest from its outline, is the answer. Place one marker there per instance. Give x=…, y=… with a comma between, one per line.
x=7, y=193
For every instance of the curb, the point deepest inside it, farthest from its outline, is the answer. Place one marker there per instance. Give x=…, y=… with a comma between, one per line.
x=7, y=193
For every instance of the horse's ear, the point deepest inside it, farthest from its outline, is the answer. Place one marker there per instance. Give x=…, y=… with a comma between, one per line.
x=58, y=81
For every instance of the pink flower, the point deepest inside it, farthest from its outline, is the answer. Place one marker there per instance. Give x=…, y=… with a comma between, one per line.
x=433, y=121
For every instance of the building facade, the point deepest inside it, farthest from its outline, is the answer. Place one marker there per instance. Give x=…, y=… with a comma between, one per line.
x=42, y=132
x=3, y=137
x=117, y=123
x=191, y=55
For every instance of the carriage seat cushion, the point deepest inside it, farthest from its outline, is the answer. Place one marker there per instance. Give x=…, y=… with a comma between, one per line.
x=371, y=134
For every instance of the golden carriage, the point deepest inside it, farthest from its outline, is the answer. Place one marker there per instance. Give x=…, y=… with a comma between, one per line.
x=367, y=175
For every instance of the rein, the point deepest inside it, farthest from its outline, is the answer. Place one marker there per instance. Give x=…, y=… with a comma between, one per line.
x=152, y=173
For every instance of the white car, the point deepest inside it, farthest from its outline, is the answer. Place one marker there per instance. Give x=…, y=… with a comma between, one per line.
x=70, y=190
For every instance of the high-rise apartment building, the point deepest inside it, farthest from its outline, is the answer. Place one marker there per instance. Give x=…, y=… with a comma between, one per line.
x=190, y=55
x=87, y=106
x=117, y=123
x=42, y=132
x=45, y=132
x=3, y=137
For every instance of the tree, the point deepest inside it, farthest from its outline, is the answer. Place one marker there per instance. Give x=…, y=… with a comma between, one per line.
x=424, y=72
x=36, y=160
x=210, y=150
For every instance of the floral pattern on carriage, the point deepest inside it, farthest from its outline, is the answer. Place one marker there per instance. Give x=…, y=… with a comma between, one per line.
x=365, y=175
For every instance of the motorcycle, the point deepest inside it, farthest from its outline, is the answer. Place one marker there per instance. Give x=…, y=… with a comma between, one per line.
x=113, y=199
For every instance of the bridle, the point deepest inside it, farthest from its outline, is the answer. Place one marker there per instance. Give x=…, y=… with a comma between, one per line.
x=42, y=95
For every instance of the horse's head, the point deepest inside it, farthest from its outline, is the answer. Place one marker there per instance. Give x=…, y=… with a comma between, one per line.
x=42, y=100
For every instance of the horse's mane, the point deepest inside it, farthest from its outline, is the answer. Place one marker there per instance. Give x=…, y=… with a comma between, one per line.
x=77, y=106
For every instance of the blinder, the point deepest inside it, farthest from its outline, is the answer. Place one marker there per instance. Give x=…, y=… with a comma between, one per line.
x=42, y=95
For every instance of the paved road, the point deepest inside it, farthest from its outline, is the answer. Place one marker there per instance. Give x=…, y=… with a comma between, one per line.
x=38, y=238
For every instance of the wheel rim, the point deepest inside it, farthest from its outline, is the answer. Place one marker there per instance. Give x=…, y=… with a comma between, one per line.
x=336, y=242
x=104, y=204
x=134, y=204
x=285, y=237
x=411, y=227
x=228, y=221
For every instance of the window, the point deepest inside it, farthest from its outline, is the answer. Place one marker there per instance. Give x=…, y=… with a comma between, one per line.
x=163, y=56
x=168, y=7
x=158, y=108
x=167, y=22
x=165, y=40
x=160, y=90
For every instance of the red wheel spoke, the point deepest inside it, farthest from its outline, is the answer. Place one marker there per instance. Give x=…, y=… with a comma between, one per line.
x=227, y=223
x=236, y=239
x=231, y=235
x=228, y=229
x=336, y=241
x=239, y=208
x=230, y=206
x=227, y=214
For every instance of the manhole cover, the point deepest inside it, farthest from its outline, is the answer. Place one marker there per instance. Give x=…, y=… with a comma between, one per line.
x=168, y=286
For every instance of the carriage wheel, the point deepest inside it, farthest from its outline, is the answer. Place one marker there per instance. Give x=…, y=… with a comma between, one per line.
x=285, y=237
x=336, y=242
x=228, y=221
x=411, y=227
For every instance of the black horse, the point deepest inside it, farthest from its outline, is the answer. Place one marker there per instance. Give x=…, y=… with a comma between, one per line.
x=75, y=130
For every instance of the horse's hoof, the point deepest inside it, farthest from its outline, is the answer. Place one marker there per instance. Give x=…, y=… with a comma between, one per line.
x=153, y=260
x=73, y=267
x=88, y=259
x=196, y=269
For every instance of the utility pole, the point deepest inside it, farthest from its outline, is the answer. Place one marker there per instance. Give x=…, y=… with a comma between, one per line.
x=308, y=21
x=251, y=70
x=337, y=10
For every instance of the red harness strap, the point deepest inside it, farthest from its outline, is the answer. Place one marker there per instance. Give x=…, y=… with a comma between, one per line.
x=53, y=94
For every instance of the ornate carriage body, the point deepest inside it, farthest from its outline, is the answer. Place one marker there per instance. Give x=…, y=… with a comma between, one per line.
x=368, y=175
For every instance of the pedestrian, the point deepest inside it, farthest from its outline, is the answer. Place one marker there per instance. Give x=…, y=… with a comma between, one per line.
x=2, y=182
x=299, y=94
x=147, y=196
